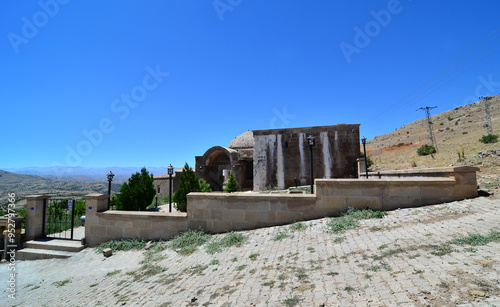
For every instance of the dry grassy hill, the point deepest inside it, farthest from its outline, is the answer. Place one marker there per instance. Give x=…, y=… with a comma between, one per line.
x=455, y=131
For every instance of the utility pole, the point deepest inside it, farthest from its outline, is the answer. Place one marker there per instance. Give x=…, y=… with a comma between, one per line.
x=429, y=122
x=487, y=119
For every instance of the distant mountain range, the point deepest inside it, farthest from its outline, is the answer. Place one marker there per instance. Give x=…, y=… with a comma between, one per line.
x=84, y=174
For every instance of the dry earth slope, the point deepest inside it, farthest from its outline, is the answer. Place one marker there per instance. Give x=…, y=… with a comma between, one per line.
x=456, y=130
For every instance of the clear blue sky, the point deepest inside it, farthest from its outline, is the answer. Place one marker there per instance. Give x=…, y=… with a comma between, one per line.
x=133, y=83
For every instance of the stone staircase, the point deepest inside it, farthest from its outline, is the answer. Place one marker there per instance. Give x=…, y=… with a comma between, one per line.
x=49, y=248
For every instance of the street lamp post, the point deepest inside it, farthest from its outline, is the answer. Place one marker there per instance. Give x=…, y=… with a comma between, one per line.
x=311, y=143
x=170, y=173
x=363, y=140
x=110, y=178
x=156, y=200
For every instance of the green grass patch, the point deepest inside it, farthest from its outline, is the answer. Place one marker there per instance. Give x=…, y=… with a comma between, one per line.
x=231, y=239
x=188, y=242
x=253, y=257
x=350, y=219
x=291, y=302
x=476, y=239
x=113, y=272
x=61, y=283
x=122, y=245
x=280, y=236
x=299, y=226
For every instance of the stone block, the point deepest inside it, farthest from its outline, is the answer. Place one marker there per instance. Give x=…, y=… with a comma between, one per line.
x=331, y=203
x=284, y=217
x=301, y=205
x=197, y=224
x=255, y=216
x=114, y=231
x=395, y=202
x=435, y=190
x=107, y=252
x=403, y=190
x=233, y=215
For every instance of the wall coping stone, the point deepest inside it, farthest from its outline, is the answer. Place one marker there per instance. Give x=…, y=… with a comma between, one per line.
x=36, y=197
x=143, y=214
x=437, y=170
x=388, y=181
x=252, y=195
x=93, y=196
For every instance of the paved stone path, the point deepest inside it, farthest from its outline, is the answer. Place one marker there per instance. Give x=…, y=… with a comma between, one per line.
x=400, y=260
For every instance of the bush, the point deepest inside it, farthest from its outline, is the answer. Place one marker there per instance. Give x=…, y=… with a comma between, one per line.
x=204, y=186
x=369, y=162
x=231, y=185
x=488, y=139
x=138, y=193
x=425, y=150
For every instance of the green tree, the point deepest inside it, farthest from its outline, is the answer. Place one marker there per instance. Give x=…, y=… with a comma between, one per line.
x=187, y=184
x=138, y=193
x=232, y=185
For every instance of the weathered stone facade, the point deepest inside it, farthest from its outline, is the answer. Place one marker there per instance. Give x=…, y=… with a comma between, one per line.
x=215, y=164
x=282, y=156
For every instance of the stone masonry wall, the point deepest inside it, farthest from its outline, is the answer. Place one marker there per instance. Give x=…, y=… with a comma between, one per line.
x=222, y=212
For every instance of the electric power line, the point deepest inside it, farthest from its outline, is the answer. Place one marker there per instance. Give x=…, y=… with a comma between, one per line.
x=429, y=122
x=487, y=119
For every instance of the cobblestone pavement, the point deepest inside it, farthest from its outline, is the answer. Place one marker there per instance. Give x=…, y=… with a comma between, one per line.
x=401, y=260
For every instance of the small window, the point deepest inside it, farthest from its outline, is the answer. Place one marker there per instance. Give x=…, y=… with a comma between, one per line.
x=158, y=187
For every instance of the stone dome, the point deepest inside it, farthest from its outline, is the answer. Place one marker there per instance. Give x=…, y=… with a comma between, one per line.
x=244, y=141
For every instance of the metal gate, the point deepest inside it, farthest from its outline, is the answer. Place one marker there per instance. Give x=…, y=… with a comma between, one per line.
x=59, y=218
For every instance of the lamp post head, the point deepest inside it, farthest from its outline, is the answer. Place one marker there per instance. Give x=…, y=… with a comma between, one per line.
x=110, y=176
x=310, y=140
x=363, y=140
x=170, y=169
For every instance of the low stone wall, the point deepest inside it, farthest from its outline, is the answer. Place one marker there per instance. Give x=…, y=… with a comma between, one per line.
x=102, y=225
x=221, y=212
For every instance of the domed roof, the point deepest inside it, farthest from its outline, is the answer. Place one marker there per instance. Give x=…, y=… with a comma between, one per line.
x=244, y=141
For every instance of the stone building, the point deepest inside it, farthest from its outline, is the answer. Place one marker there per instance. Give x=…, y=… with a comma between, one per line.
x=280, y=158
x=215, y=164
x=162, y=182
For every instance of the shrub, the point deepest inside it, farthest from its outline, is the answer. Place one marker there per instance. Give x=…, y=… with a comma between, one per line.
x=369, y=162
x=488, y=139
x=138, y=193
x=231, y=185
x=204, y=186
x=425, y=150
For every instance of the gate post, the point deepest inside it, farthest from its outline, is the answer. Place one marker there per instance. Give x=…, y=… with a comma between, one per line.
x=34, y=216
x=94, y=203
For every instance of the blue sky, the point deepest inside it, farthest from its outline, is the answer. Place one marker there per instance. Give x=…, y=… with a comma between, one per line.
x=133, y=83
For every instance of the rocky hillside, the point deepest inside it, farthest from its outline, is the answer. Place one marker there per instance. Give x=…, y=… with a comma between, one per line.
x=456, y=131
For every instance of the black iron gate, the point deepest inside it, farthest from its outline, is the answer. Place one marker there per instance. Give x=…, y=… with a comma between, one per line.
x=59, y=218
